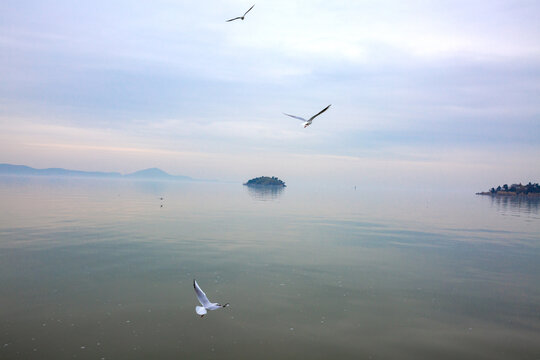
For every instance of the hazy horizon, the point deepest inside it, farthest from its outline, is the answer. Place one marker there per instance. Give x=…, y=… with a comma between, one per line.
x=434, y=94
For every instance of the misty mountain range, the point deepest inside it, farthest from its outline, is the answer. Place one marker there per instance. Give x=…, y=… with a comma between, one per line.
x=151, y=174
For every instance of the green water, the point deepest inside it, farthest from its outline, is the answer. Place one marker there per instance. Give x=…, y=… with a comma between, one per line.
x=93, y=269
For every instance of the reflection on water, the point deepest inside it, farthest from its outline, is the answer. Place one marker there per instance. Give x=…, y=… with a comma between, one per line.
x=265, y=193
x=97, y=269
x=517, y=205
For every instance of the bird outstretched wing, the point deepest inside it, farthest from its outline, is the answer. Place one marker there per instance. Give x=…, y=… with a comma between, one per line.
x=200, y=295
x=249, y=9
x=320, y=112
x=296, y=117
x=236, y=18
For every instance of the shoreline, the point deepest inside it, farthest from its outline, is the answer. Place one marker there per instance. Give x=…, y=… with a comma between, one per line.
x=508, y=194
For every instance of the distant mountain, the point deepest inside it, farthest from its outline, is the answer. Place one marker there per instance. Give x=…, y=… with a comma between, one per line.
x=155, y=173
x=22, y=170
x=9, y=169
x=17, y=170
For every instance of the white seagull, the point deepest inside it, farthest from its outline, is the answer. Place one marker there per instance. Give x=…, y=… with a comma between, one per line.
x=241, y=17
x=308, y=122
x=206, y=304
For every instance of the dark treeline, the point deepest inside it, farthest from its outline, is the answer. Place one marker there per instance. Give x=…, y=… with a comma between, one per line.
x=517, y=189
x=266, y=180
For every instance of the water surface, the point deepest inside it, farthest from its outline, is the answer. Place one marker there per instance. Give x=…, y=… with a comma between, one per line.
x=97, y=269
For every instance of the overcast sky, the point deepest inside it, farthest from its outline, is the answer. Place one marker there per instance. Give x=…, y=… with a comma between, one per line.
x=422, y=92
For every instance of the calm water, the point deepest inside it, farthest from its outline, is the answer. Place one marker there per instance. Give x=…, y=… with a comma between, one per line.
x=94, y=269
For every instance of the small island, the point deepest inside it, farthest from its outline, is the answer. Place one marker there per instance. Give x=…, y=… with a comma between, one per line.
x=265, y=181
x=513, y=190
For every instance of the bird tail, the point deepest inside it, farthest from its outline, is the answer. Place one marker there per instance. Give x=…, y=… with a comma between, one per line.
x=200, y=310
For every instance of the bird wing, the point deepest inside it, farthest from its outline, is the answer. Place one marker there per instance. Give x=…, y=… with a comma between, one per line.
x=249, y=9
x=201, y=295
x=296, y=117
x=320, y=112
x=236, y=18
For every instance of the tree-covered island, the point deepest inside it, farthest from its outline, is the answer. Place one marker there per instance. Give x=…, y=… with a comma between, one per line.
x=265, y=181
x=513, y=190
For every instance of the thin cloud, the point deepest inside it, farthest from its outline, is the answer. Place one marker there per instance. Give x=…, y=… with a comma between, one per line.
x=157, y=82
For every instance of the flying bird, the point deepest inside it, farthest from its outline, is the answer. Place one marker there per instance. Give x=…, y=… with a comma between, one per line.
x=206, y=304
x=308, y=122
x=241, y=17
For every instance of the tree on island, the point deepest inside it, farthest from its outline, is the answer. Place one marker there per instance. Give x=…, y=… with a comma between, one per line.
x=265, y=181
x=515, y=189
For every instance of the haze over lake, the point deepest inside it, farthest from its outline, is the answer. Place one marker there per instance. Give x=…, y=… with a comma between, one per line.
x=96, y=268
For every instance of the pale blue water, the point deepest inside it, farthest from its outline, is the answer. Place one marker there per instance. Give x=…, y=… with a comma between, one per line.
x=94, y=269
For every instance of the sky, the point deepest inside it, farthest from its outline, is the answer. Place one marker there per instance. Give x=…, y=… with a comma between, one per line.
x=423, y=93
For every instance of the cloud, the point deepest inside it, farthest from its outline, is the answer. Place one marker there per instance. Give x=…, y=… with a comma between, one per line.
x=354, y=31
x=172, y=80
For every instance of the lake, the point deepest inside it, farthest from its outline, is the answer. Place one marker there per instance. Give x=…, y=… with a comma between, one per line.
x=103, y=269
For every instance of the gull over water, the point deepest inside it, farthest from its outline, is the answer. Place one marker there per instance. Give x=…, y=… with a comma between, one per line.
x=203, y=299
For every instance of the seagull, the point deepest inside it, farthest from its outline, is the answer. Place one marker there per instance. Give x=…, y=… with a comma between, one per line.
x=206, y=304
x=241, y=17
x=308, y=122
